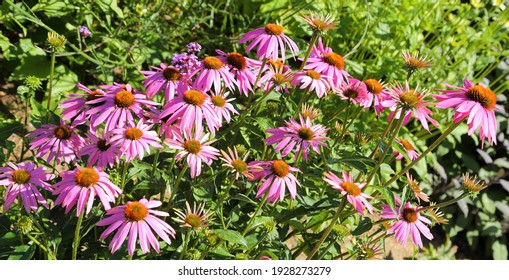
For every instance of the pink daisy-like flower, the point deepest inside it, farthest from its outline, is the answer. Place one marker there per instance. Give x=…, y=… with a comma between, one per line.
x=195, y=148
x=243, y=68
x=277, y=178
x=223, y=107
x=410, y=222
x=192, y=106
x=23, y=179
x=238, y=165
x=164, y=77
x=312, y=81
x=355, y=92
x=81, y=186
x=319, y=22
x=407, y=146
x=134, y=141
x=100, y=152
x=211, y=73
x=326, y=62
x=300, y=136
x=475, y=101
x=402, y=98
x=276, y=79
x=351, y=189
x=378, y=92
x=118, y=107
x=269, y=39
x=61, y=142
x=77, y=104
x=136, y=220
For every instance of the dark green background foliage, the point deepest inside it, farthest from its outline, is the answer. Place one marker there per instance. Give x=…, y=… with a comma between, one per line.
x=464, y=40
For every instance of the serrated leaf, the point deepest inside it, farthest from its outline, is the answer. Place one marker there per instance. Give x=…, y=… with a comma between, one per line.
x=233, y=237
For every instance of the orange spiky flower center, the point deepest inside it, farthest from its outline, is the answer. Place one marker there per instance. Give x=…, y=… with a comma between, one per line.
x=192, y=146
x=409, y=98
x=407, y=145
x=133, y=133
x=483, y=96
x=171, y=73
x=320, y=24
x=62, y=132
x=102, y=145
x=213, y=63
x=313, y=74
x=86, y=177
x=335, y=60
x=351, y=188
x=193, y=220
x=135, y=211
x=409, y=215
x=279, y=78
x=239, y=165
x=273, y=29
x=306, y=133
x=218, y=101
x=373, y=86
x=280, y=168
x=21, y=176
x=236, y=60
x=194, y=97
x=124, y=99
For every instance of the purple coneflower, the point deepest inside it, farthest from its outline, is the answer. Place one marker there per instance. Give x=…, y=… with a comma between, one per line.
x=136, y=220
x=402, y=98
x=300, y=136
x=355, y=92
x=134, y=141
x=476, y=102
x=164, y=77
x=213, y=73
x=223, y=107
x=239, y=166
x=410, y=222
x=416, y=189
x=378, y=92
x=243, y=68
x=278, y=177
x=118, y=107
x=77, y=104
x=81, y=185
x=326, y=62
x=196, y=148
x=269, y=39
x=312, y=81
x=352, y=190
x=100, y=152
x=23, y=179
x=407, y=146
x=276, y=79
x=195, y=218
x=60, y=142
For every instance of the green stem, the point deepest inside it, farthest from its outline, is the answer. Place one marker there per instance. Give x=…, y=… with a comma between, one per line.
x=177, y=183
x=51, y=74
x=124, y=174
x=255, y=86
x=186, y=241
x=386, y=150
x=430, y=148
x=329, y=229
x=313, y=40
x=221, y=200
x=48, y=252
x=447, y=203
x=264, y=200
x=303, y=98
x=76, y=242
x=320, y=257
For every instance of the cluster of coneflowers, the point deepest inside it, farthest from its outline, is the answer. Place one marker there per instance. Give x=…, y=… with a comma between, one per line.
x=196, y=98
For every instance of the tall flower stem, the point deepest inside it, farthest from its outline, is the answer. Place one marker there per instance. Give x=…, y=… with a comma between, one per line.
x=428, y=150
x=314, y=37
x=51, y=74
x=386, y=150
x=177, y=183
x=48, y=252
x=76, y=242
x=446, y=203
x=255, y=86
x=329, y=229
x=124, y=174
x=264, y=200
x=186, y=242
x=25, y=124
x=303, y=98
x=221, y=200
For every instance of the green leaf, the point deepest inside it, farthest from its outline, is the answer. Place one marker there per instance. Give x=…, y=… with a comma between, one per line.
x=242, y=197
x=499, y=250
x=222, y=252
x=7, y=128
x=389, y=198
x=64, y=80
x=22, y=252
x=8, y=239
x=364, y=225
x=233, y=237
